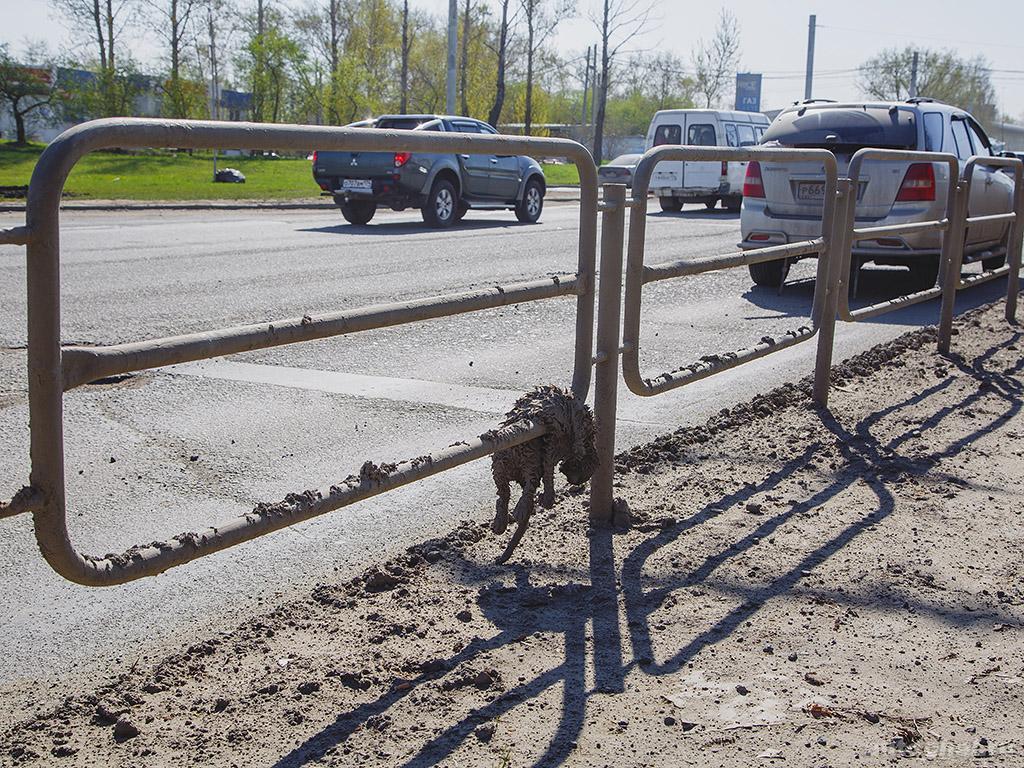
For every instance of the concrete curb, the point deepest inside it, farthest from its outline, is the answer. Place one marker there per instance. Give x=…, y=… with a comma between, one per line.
x=554, y=195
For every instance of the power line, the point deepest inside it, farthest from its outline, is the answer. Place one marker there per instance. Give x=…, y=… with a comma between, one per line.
x=916, y=36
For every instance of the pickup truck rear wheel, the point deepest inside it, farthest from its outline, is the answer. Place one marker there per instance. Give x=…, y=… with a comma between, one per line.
x=528, y=209
x=358, y=211
x=441, y=206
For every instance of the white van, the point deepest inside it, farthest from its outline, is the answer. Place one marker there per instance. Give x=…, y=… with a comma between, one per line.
x=676, y=182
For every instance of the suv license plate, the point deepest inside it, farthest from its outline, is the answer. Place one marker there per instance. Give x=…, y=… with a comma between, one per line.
x=363, y=185
x=811, y=191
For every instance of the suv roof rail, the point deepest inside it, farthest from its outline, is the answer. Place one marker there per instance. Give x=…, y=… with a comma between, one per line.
x=815, y=101
x=920, y=100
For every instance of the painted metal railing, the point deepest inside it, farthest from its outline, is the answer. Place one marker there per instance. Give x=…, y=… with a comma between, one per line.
x=638, y=274
x=53, y=370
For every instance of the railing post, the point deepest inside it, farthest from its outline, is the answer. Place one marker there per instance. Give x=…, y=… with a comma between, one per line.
x=837, y=260
x=1014, y=244
x=606, y=378
x=952, y=262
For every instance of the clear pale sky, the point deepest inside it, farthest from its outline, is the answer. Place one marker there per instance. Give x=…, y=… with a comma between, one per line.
x=774, y=37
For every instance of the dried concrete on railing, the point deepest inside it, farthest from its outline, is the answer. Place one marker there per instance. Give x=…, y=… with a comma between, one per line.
x=569, y=440
x=797, y=585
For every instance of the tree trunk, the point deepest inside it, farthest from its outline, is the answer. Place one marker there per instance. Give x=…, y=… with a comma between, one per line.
x=334, y=32
x=19, y=124
x=404, y=105
x=602, y=90
x=528, y=115
x=499, y=90
x=110, y=33
x=464, y=62
x=97, y=16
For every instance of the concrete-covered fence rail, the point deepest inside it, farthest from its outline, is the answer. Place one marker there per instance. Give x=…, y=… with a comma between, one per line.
x=52, y=370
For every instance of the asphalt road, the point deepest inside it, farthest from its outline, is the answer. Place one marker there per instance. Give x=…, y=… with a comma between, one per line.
x=182, y=448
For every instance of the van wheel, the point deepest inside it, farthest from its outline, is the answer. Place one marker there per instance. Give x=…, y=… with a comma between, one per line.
x=925, y=271
x=770, y=274
x=710, y=204
x=995, y=262
x=441, y=205
x=528, y=209
x=358, y=211
x=734, y=204
x=671, y=204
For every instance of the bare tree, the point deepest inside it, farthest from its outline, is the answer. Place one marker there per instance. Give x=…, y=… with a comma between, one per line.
x=502, y=51
x=541, y=19
x=216, y=19
x=98, y=22
x=617, y=22
x=173, y=20
x=715, y=63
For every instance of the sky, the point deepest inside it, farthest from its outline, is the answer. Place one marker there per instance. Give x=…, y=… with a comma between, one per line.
x=773, y=36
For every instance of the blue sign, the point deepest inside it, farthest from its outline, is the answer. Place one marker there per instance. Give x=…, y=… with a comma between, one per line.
x=748, y=92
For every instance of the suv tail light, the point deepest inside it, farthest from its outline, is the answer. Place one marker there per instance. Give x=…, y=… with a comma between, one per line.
x=314, y=157
x=401, y=158
x=752, y=184
x=918, y=184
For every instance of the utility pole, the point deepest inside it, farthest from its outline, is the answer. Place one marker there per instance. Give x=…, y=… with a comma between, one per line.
x=913, y=76
x=811, y=26
x=586, y=88
x=453, y=43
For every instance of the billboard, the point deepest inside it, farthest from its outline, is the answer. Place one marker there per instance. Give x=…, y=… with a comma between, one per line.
x=748, y=92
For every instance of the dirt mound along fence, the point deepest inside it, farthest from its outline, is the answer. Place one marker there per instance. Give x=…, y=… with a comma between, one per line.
x=54, y=370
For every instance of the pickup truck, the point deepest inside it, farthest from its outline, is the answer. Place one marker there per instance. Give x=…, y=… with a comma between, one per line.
x=442, y=186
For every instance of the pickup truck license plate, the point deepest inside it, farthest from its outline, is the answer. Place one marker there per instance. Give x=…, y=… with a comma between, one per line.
x=810, y=191
x=363, y=185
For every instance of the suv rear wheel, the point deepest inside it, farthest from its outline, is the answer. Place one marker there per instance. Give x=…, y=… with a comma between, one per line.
x=441, y=206
x=994, y=262
x=529, y=208
x=671, y=204
x=358, y=211
x=925, y=271
x=770, y=274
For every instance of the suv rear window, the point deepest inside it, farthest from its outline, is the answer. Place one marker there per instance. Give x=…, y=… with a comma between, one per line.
x=403, y=123
x=845, y=127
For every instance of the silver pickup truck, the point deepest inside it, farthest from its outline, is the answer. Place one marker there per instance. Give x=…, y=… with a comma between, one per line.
x=442, y=186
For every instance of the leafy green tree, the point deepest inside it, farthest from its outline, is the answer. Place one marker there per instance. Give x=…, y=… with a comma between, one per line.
x=26, y=89
x=941, y=75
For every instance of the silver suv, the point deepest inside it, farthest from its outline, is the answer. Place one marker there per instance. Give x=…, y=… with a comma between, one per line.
x=782, y=202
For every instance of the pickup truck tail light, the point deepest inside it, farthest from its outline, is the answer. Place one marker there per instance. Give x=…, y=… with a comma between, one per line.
x=725, y=168
x=401, y=158
x=918, y=184
x=753, y=186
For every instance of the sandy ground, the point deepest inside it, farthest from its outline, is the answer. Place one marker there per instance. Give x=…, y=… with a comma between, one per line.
x=820, y=588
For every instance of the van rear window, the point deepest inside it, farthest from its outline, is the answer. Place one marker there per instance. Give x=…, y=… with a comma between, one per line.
x=846, y=127
x=668, y=134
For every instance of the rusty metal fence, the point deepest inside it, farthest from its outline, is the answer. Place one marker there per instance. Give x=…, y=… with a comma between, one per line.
x=54, y=370
x=637, y=274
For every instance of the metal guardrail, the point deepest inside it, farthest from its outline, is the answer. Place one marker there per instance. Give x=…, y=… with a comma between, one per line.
x=949, y=226
x=952, y=280
x=637, y=275
x=53, y=370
